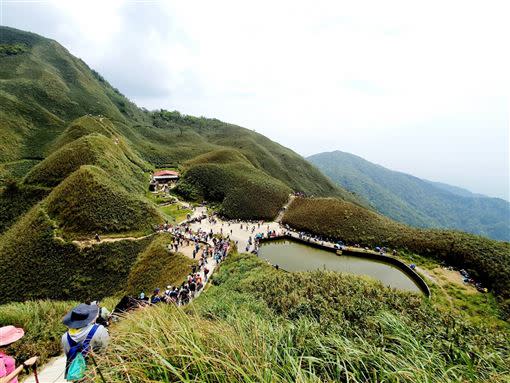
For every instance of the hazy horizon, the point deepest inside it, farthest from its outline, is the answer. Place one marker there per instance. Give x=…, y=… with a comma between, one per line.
x=421, y=88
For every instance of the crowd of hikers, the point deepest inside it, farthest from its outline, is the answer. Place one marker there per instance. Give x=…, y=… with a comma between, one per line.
x=87, y=323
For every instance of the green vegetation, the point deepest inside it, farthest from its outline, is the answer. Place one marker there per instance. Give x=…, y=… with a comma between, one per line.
x=88, y=202
x=16, y=170
x=93, y=149
x=158, y=267
x=16, y=200
x=174, y=213
x=42, y=322
x=487, y=260
x=415, y=201
x=229, y=178
x=12, y=49
x=259, y=325
x=35, y=264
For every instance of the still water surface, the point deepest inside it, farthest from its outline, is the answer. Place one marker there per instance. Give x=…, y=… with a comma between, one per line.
x=294, y=256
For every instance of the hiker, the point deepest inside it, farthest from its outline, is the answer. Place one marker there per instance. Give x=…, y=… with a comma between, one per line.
x=8, y=369
x=82, y=337
x=155, y=298
x=98, y=239
x=104, y=314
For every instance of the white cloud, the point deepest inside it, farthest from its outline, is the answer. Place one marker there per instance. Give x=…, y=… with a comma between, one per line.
x=422, y=87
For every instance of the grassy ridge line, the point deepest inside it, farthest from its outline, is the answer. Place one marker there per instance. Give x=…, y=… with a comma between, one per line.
x=92, y=149
x=44, y=89
x=258, y=325
x=487, y=260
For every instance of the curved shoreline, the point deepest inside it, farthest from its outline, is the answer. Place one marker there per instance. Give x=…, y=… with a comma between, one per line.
x=361, y=254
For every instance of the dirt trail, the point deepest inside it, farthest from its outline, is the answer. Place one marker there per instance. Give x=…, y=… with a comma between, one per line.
x=90, y=242
x=284, y=209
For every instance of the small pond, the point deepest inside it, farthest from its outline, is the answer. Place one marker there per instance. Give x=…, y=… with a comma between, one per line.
x=295, y=256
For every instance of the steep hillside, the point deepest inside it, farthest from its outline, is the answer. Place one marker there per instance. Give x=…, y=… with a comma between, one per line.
x=415, y=201
x=88, y=201
x=44, y=90
x=228, y=177
x=487, y=260
x=36, y=264
x=158, y=267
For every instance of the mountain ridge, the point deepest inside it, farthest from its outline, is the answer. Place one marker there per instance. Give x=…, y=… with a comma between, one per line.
x=415, y=201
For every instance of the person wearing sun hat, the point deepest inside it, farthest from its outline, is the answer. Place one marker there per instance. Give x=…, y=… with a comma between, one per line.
x=82, y=328
x=8, y=370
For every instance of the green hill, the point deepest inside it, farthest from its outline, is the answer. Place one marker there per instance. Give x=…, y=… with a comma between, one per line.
x=158, y=267
x=35, y=115
x=93, y=149
x=76, y=157
x=415, y=201
x=227, y=176
x=487, y=260
x=88, y=201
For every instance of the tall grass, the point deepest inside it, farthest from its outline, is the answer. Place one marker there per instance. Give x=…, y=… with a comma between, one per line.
x=42, y=322
x=236, y=332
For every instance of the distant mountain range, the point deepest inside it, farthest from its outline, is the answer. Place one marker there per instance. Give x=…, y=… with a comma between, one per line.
x=416, y=201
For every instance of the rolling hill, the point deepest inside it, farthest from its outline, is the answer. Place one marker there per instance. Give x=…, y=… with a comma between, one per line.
x=415, y=201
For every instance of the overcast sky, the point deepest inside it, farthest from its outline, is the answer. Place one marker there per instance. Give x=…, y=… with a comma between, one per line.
x=417, y=86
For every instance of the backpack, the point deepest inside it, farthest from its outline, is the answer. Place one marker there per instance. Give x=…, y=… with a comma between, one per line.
x=76, y=362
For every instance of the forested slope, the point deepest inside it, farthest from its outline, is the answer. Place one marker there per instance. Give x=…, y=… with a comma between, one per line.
x=414, y=201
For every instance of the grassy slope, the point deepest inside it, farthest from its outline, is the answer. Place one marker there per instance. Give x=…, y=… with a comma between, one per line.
x=88, y=201
x=42, y=322
x=487, y=260
x=35, y=264
x=93, y=149
x=157, y=267
x=45, y=88
x=227, y=176
x=143, y=264
x=414, y=201
x=16, y=199
x=259, y=325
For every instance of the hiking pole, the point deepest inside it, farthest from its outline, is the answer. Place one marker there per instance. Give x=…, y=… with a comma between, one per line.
x=35, y=374
x=97, y=368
